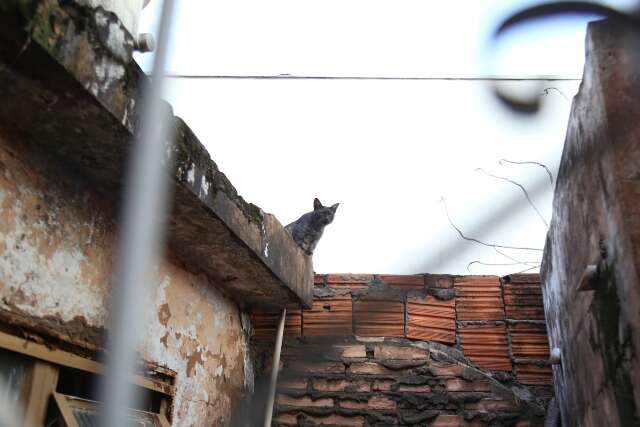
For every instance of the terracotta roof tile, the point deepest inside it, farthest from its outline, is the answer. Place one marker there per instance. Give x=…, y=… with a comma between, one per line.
x=479, y=298
x=523, y=301
x=329, y=317
x=413, y=281
x=529, y=341
x=531, y=374
x=265, y=323
x=380, y=318
x=486, y=345
x=431, y=319
x=349, y=280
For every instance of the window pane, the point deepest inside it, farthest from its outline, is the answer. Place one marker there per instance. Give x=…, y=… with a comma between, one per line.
x=89, y=418
x=13, y=372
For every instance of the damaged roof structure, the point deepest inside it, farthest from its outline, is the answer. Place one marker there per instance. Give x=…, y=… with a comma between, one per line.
x=359, y=349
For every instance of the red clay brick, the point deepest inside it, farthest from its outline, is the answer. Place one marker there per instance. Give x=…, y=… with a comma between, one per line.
x=286, y=419
x=367, y=368
x=329, y=317
x=336, y=420
x=352, y=351
x=382, y=385
x=379, y=318
x=349, y=281
x=457, y=384
x=265, y=323
x=330, y=384
x=413, y=281
x=531, y=374
x=522, y=278
x=317, y=367
x=444, y=369
x=294, y=384
x=380, y=403
x=486, y=345
x=399, y=352
x=479, y=298
x=523, y=301
x=445, y=420
x=529, y=341
x=322, y=384
x=440, y=281
x=359, y=386
x=431, y=319
x=304, y=401
x=412, y=388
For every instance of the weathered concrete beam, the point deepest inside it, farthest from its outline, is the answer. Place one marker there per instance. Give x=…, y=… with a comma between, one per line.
x=69, y=85
x=596, y=221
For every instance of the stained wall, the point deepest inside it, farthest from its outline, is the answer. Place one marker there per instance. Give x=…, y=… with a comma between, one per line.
x=57, y=240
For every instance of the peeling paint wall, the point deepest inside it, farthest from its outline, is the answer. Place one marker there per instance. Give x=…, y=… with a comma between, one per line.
x=57, y=238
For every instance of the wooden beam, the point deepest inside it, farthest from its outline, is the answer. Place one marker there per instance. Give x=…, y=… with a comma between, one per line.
x=65, y=410
x=44, y=380
x=70, y=360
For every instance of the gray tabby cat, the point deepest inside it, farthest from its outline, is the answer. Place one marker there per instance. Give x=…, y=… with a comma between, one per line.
x=307, y=230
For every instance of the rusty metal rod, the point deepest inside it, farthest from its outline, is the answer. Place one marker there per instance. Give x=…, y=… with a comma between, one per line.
x=274, y=371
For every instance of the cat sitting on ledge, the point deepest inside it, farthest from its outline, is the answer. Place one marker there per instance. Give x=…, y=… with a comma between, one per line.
x=307, y=230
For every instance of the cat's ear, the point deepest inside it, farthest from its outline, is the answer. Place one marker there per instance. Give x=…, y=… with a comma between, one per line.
x=334, y=207
x=316, y=204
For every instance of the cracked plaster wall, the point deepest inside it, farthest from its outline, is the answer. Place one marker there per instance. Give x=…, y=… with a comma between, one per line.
x=56, y=256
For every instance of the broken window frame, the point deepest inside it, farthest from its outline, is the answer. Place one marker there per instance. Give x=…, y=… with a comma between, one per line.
x=68, y=404
x=42, y=378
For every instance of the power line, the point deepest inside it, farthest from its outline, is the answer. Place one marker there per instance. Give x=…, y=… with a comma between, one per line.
x=308, y=77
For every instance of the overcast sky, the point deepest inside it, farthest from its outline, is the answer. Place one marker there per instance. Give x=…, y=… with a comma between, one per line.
x=388, y=151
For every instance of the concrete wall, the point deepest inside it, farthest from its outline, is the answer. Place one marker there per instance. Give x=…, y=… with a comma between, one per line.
x=596, y=221
x=56, y=256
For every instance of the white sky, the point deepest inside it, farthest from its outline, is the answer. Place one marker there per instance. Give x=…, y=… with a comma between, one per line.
x=388, y=151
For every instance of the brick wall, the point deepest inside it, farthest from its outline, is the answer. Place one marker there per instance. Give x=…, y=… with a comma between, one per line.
x=389, y=382
x=497, y=323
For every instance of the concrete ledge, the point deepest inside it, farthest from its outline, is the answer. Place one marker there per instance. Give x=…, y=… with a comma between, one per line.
x=71, y=87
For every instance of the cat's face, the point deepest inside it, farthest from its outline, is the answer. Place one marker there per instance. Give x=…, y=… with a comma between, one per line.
x=324, y=214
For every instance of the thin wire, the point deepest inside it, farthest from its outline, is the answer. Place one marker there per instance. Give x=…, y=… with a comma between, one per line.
x=312, y=77
x=471, y=239
x=524, y=190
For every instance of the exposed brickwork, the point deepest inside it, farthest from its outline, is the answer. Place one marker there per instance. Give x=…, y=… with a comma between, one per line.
x=329, y=317
x=379, y=318
x=415, y=281
x=533, y=375
x=397, y=383
x=431, y=319
x=265, y=323
x=529, y=341
x=486, y=345
x=523, y=297
x=479, y=298
x=348, y=281
x=425, y=308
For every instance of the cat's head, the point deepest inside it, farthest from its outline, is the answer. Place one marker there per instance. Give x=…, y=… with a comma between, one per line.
x=324, y=213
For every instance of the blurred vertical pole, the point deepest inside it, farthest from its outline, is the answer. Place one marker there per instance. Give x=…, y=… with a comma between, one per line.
x=271, y=397
x=141, y=234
